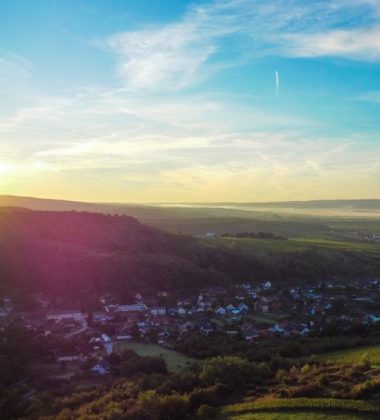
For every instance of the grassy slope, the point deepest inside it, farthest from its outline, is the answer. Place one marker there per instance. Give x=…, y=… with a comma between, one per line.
x=253, y=245
x=175, y=361
x=329, y=253
x=353, y=355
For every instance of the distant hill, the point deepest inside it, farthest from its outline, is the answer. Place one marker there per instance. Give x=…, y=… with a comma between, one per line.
x=306, y=219
x=53, y=205
x=61, y=205
x=362, y=204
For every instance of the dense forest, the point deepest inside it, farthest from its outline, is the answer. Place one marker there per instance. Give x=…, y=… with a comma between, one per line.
x=79, y=254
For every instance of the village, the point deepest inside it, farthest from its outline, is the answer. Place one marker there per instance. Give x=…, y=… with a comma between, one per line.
x=245, y=311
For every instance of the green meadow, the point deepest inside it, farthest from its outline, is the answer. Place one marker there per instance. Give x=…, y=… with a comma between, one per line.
x=175, y=361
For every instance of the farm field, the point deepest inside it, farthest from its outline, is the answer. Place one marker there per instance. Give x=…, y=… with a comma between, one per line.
x=353, y=355
x=175, y=361
x=253, y=245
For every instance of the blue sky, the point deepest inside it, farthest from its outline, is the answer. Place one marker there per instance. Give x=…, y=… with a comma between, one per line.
x=178, y=100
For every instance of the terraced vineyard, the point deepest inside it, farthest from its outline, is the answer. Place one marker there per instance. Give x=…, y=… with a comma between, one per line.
x=300, y=415
x=366, y=407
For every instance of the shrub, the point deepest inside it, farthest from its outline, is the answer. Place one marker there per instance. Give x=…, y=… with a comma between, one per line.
x=167, y=407
x=211, y=396
x=308, y=390
x=205, y=412
x=281, y=375
x=306, y=369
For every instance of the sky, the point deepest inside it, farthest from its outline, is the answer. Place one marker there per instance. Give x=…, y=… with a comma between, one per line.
x=190, y=101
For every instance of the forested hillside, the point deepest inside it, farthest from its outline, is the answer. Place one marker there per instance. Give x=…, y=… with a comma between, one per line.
x=75, y=254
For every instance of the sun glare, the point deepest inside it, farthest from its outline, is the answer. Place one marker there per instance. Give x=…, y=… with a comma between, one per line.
x=6, y=168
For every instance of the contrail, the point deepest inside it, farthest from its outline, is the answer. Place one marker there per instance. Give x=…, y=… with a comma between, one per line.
x=277, y=83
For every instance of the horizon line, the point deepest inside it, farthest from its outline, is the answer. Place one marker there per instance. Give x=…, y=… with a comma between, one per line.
x=185, y=202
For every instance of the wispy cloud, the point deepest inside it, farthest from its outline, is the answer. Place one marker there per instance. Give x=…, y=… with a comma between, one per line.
x=177, y=55
x=360, y=44
x=172, y=56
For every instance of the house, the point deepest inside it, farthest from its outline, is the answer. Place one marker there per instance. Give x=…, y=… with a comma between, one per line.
x=125, y=337
x=75, y=315
x=187, y=326
x=252, y=293
x=102, y=367
x=105, y=338
x=230, y=308
x=95, y=340
x=200, y=299
x=70, y=358
x=264, y=307
x=231, y=332
x=160, y=320
x=276, y=329
x=373, y=319
x=101, y=317
x=127, y=309
x=158, y=311
x=220, y=311
x=107, y=343
x=235, y=313
x=206, y=328
x=304, y=331
x=243, y=308
x=182, y=311
x=211, y=235
x=172, y=311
